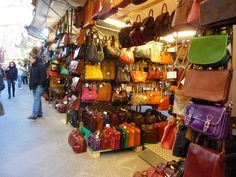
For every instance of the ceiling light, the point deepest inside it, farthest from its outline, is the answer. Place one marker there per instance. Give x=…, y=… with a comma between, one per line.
x=116, y=23
x=181, y=35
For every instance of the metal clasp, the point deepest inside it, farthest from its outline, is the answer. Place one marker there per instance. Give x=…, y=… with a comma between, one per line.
x=207, y=123
x=188, y=119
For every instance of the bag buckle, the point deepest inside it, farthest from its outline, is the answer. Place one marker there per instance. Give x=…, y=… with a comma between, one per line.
x=188, y=119
x=207, y=123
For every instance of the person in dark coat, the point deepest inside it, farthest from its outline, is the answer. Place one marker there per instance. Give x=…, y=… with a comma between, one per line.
x=11, y=76
x=37, y=82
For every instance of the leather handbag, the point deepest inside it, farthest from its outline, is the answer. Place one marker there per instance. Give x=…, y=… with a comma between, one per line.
x=181, y=15
x=127, y=56
x=194, y=14
x=93, y=72
x=209, y=50
x=162, y=24
x=181, y=143
x=108, y=70
x=164, y=103
x=168, y=137
x=111, y=48
x=104, y=92
x=160, y=126
x=94, y=47
x=149, y=134
x=212, y=121
x=203, y=161
x=166, y=58
x=143, y=52
x=76, y=67
x=138, y=99
x=135, y=37
x=139, y=76
x=88, y=21
x=119, y=97
x=78, y=17
x=153, y=97
x=122, y=75
x=219, y=16
x=89, y=93
x=147, y=26
x=210, y=85
x=77, y=141
x=180, y=102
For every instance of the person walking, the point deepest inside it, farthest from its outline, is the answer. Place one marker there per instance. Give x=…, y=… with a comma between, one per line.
x=37, y=82
x=25, y=74
x=11, y=76
x=21, y=69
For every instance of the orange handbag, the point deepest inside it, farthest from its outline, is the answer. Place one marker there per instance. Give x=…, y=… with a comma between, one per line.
x=153, y=97
x=127, y=56
x=168, y=137
x=167, y=59
x=164, y=103
x=104, y=92
x=139, y=76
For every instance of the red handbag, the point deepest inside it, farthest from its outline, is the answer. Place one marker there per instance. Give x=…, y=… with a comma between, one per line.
x=89, y=93
x=168, y=138
x=77, y=141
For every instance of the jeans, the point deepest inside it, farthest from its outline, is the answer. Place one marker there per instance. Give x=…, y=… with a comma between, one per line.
x=20, y=81
x=11, y=83
x=37, y=106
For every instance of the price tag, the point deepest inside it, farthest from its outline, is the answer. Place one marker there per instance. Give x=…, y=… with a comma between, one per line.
x=171, y=75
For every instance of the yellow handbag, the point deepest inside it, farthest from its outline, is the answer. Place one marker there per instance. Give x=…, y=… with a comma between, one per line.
x=153, y=97
x=93, y=72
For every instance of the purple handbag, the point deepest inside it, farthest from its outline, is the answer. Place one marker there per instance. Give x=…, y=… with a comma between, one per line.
x=212, y=121
x=94, y=142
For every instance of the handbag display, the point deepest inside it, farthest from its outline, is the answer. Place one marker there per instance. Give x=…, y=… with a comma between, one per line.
x=181, y=15
x=89, y=92
x=104, y=92
x=153, y=97
x=127, y=56
x=138, y=76
x=210, y=85
x=122, y=76
x=219, y=16
x=212, y=121
x=108, y=70
x=119, y=97
x=203, y=161
x=93, y=72
x=209, y=50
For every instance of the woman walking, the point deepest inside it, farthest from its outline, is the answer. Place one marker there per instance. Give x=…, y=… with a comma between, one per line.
x=11, y=76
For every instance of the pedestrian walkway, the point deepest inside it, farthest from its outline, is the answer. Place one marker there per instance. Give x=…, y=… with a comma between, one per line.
x=30, y=148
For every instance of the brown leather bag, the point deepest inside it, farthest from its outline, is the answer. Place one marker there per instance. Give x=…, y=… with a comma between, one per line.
x=104, y=92
x=139, y=76
x=127, y=56
x=78, y=17
x=210, y=85
x=204, y=162
x=88, y=21
x=217, y=13
x=181, y=14
x=97, y=9
x=108, y=70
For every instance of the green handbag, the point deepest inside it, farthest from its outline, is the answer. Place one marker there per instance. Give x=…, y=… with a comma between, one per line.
x=209, y=50
x=64, y=71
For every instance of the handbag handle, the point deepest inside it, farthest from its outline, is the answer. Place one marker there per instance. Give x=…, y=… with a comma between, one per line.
x=164, y=6
x=150, y=14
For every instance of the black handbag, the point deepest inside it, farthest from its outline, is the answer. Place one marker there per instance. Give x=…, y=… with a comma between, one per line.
x=181, y=143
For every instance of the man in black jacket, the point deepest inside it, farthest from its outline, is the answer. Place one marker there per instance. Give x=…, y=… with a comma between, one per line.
x=37, y=82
